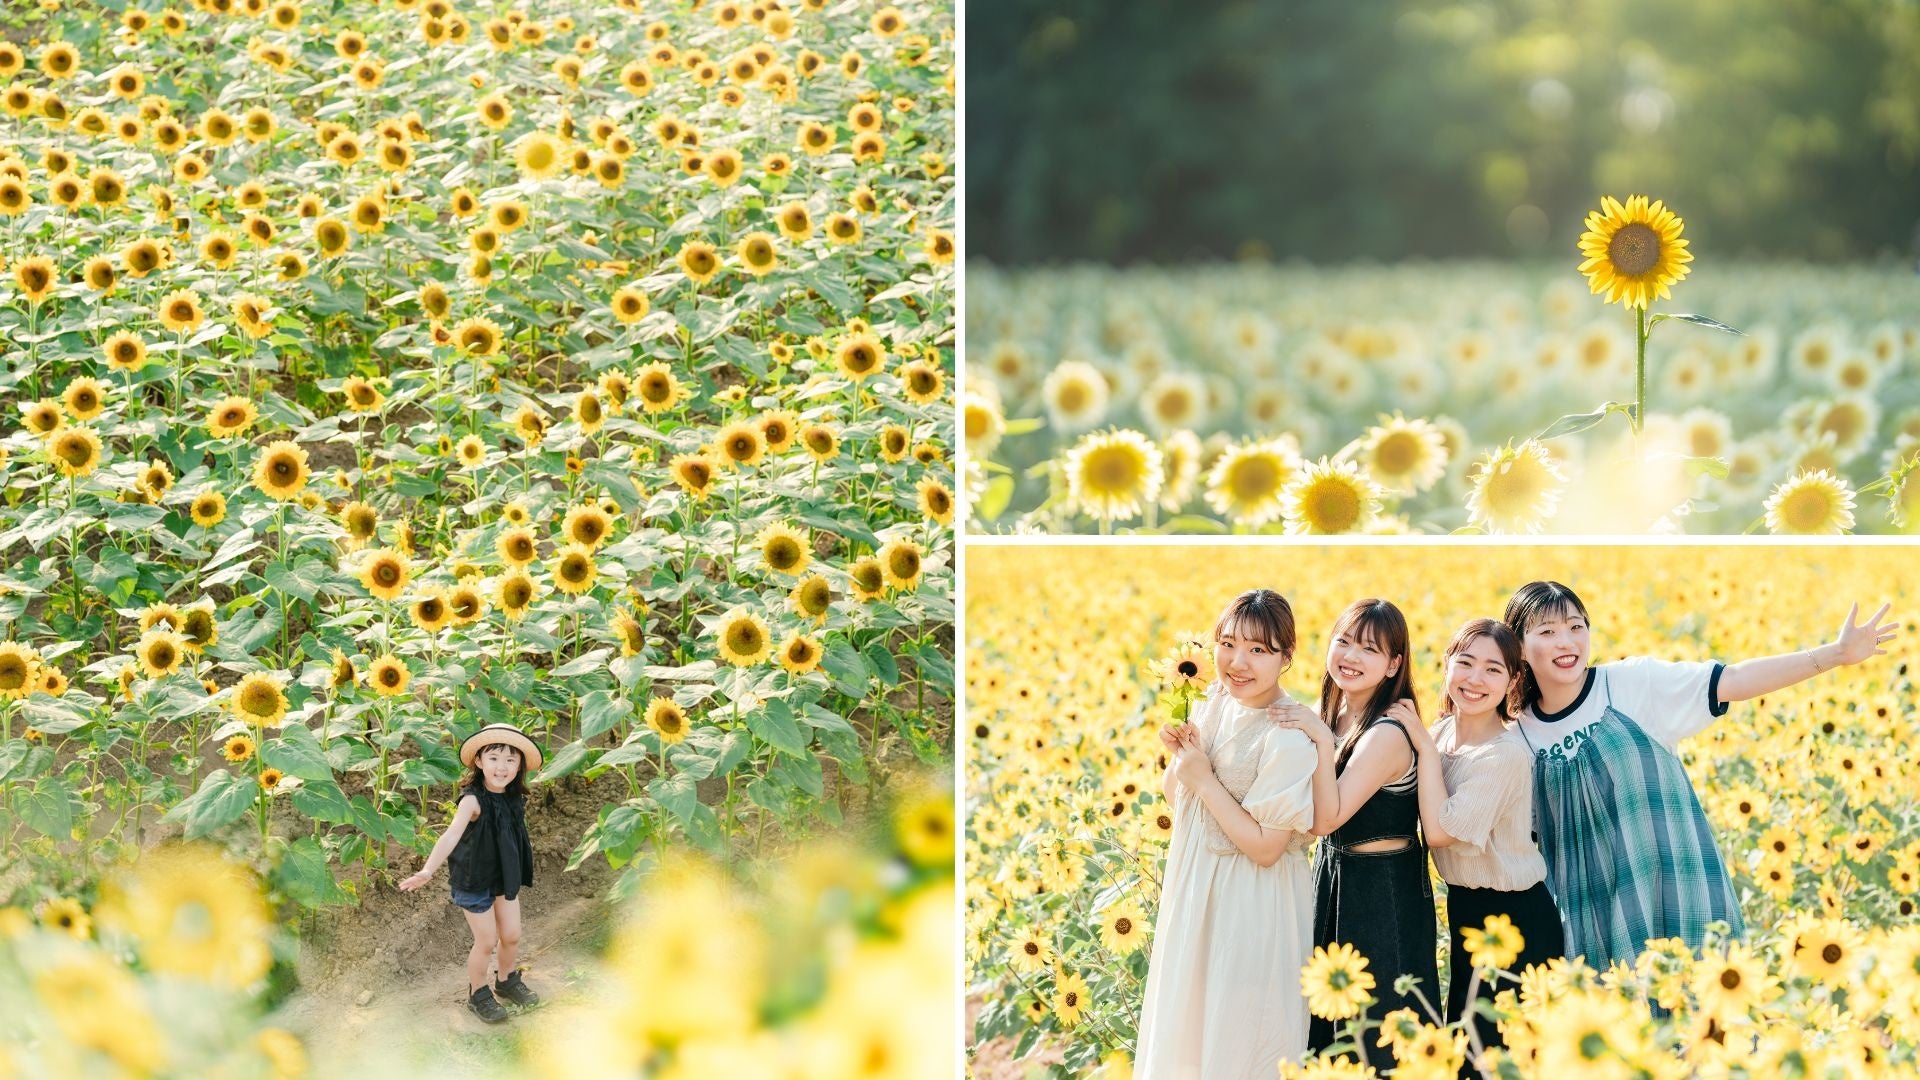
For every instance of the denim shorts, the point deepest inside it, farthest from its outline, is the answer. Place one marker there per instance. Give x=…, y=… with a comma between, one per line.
x=477, y=902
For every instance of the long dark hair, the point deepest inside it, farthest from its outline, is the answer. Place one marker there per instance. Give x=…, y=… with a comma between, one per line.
x=478, y=780
x=1261, y=615
x=1380, y=622
x=1504, y=640
x=1534, y=602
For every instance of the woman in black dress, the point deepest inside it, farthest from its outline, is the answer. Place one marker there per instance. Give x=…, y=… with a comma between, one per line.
x=1371, y=888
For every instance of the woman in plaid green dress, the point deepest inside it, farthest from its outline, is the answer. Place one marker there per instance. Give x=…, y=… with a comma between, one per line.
x=1630, y=855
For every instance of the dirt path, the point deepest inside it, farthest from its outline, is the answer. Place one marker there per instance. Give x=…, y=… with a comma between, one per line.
x=383, y=984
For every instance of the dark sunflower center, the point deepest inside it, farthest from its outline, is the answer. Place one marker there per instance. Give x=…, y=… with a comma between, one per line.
x=1123, y=926
x=1730, y=979
x=1831, y=954
x=1634, y=250
x=743, y=638
x=259, y=700
x=75, y=452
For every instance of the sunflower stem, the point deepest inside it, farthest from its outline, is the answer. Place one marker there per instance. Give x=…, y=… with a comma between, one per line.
x=1640, y=372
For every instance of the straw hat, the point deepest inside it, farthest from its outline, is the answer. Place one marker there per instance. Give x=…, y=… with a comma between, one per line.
x=504, y=734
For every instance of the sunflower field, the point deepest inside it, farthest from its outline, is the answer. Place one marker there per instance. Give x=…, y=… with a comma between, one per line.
x=1809, y=791
x=375, y=371
x=1443, y=397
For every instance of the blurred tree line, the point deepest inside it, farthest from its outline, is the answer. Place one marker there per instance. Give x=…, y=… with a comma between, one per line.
x=1154, y=130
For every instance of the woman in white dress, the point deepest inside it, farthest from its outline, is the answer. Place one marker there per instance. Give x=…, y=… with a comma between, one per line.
x=1223, y=997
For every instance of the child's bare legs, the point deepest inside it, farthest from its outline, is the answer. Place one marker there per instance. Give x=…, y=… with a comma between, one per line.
x=506, y=917
x=485, y=936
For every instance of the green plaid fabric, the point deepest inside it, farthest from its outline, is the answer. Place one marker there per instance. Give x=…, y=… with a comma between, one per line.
x=1629, y=853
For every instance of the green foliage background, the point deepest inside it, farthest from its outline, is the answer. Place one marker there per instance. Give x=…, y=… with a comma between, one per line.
x=1329, y=130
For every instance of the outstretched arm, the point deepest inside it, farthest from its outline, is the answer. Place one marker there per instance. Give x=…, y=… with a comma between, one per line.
x=469, y=807
x=1855, y=643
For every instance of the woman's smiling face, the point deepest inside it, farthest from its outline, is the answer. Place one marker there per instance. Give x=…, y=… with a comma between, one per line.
x=1248, y=665
x=1555, y=648
x=1357, y=663
x=1477, y=678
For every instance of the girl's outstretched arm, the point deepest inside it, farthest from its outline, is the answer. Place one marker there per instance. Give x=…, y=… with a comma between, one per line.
x=1855, y=643
x=468, y=809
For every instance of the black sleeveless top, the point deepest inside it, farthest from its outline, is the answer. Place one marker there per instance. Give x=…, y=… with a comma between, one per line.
x=1393, y=811
x=494, y=856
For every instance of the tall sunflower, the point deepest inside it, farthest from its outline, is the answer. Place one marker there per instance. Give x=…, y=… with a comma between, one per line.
x=281, y=470
x=75, y=450
x=389, y=675
x=1516, y=489
x=385, y=573
x=812, y=598
x=1113, y=475
x=1247, y=482
x=900, y=563
x=800, y=653
x=743, y=638
x=667, y=719
x=1633, y=251
x=784, y=549
x=259, y=700
x=1329, y=497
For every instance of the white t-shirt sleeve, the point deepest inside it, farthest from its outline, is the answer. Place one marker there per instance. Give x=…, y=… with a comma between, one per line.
x=1669, y=699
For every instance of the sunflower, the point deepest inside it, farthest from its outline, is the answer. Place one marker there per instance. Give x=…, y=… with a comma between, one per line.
x=36, y=277
x=478, y=336
x=1516, y=489
x=258, y=699
x=430, y=611
x=657, y=388
x=362, y=396
x=466, y=604
x=1495, y=945
x=812, y=598
x=758, y=254
x=900, y=563
x=587, y=525
x=867, y=578
x=588, y=412
x=1247, y=481
x=1070, y=998
x=779, y=428
x=939, y=246
x=631, y=633
x=922, y=382
x=156, y=480
x=1123, y=929
x=739, y=443
x=1829, y=951
x=630, y=304
x=1329, y=497
x=160, y=652
x=1404, y=456
x=540, y=155
x=1634, y=251
x=800, y=653
x=1727, y=986
x=935, y=500
x=859, y=356
x=43, y=417
x=75, y=450
x=667, y=719
x=385, y=573
x=573, y=570
x=699, y=261
x=19, y=670
x=281, y=470
x=783, y=549
x=742, y=637
x=1811, y=502
x=1336, y=982
x=180, y=311
x=795, y=222
x=1112, y=475
x=694, y=473
x=199, y=627
x=67, y=916
x=209, y=509
x=192, y=913
x=820, y=441
x=85, y=398
x=237, y=749
x=389, y=675
x=230, y=417
x=516, y=594
x=895, y=440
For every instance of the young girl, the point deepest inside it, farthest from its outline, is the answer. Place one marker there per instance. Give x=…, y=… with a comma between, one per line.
x=490, y=858
x=1629, y=853
x=1476, y=812
x=1371, y=888
x=1223, y=982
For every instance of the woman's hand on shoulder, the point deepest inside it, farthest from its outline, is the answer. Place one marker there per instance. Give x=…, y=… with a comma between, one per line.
x=1405, y=712
x=1294, y=716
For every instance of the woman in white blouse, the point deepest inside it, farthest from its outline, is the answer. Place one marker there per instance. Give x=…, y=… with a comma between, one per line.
x=1476, y=811
x=1235, y=923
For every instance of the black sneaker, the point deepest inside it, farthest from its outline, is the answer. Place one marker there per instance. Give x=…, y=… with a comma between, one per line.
x=516, y=991
x=485, y=1007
